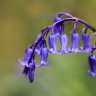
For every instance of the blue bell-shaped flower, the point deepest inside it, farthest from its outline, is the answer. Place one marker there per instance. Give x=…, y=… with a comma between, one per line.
x=74, y=39
x=38, y=47
x=52, y=43
x=92, y=64
x=64, y=43
x=27, y=56
x=57, y=29
x=29, y=71
x=74, y=42
x=86, y=43
x=43, y=57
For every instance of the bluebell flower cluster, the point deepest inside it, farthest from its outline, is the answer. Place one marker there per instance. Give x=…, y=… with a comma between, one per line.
x=56, y=30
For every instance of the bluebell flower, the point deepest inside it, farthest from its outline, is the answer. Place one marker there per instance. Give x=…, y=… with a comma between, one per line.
x=92, y=64
x=52, y=43
x=38, y=47
x=43, y=57
x=56, y=32
x=57, y=29
x=86, y=42
x=41, y=43
x=74, y=42
x=29, y=71
x=64, y=43
x=29, y=65
x=27, y=56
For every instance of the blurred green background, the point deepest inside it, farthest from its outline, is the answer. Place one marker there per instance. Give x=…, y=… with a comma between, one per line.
x=20, y=22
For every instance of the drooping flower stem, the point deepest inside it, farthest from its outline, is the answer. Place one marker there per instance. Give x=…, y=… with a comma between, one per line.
x=74, y=19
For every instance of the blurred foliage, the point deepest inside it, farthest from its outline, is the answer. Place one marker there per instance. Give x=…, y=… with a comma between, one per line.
x=20, y=22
